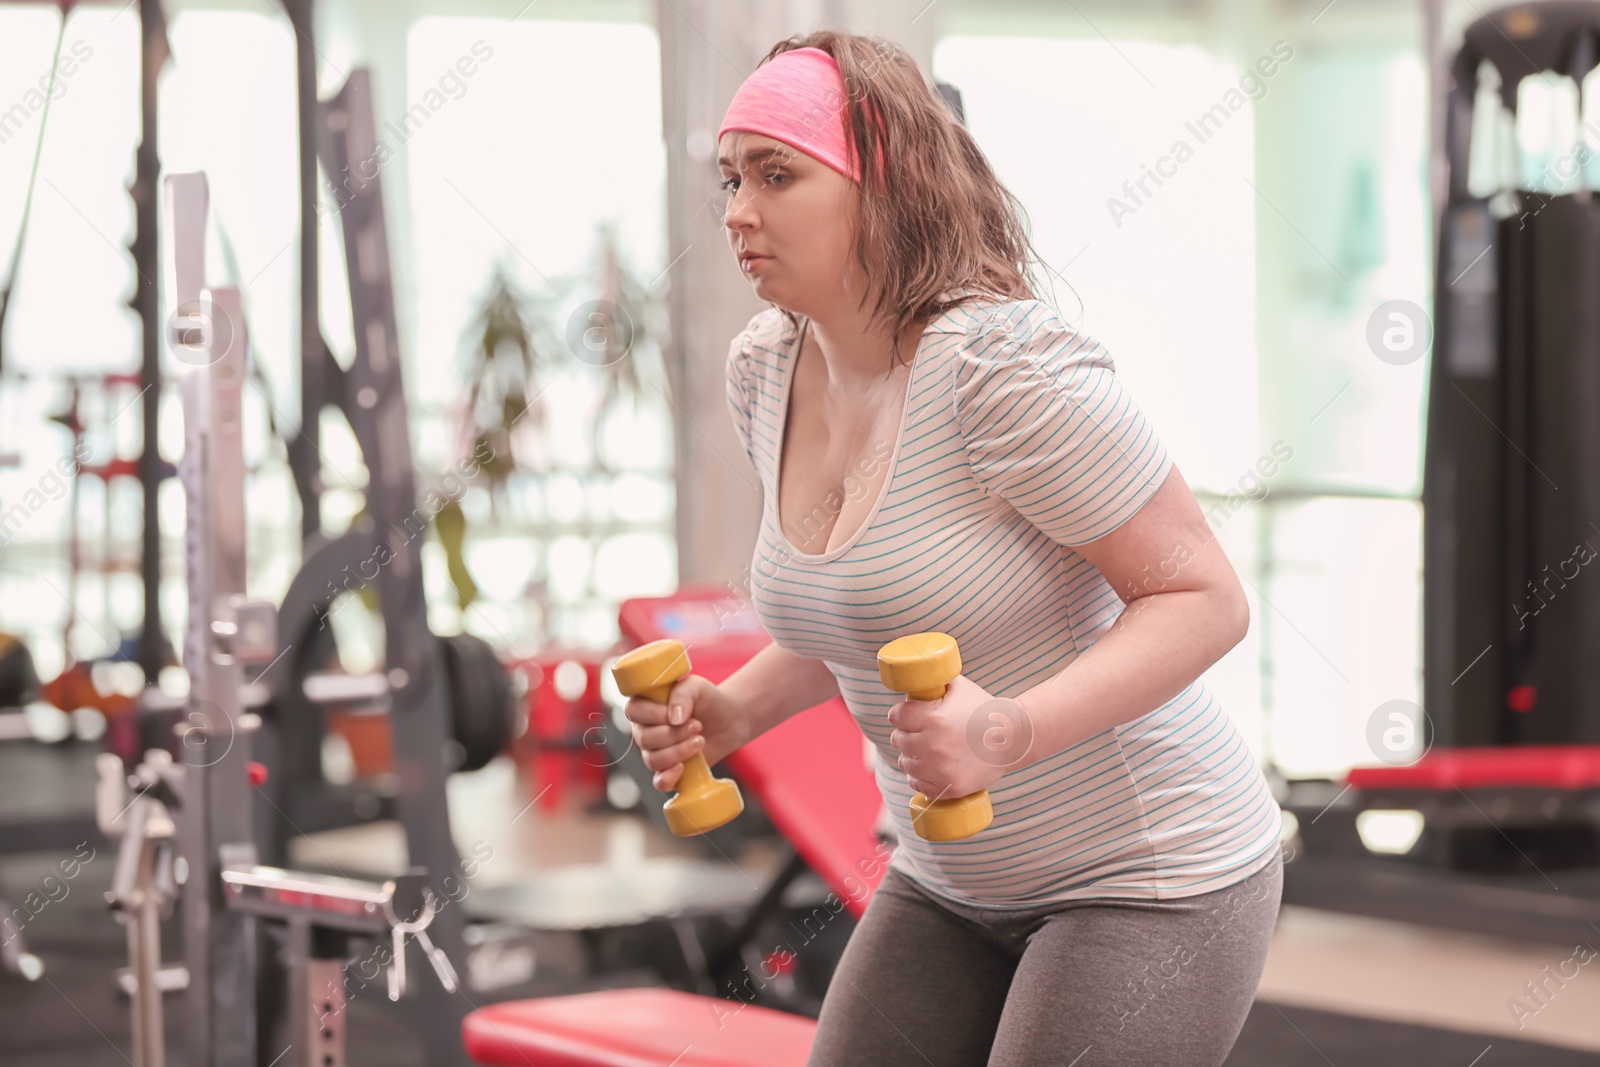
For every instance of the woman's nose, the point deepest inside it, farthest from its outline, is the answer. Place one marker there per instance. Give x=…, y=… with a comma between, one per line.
x=734, y=215
x=739, y=207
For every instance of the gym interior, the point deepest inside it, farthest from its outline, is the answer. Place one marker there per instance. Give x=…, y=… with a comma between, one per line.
x=356, y=353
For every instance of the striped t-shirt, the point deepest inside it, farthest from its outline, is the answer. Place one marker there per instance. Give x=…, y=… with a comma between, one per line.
x=1017, y=442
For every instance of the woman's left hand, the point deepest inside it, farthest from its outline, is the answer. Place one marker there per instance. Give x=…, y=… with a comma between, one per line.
x=961, y=743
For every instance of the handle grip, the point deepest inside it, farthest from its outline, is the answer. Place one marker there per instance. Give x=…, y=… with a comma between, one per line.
x=702, y=802
x=922, y=666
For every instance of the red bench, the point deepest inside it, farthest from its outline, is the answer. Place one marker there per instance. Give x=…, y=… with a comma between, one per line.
x=1532, y=766
x=636, y=1028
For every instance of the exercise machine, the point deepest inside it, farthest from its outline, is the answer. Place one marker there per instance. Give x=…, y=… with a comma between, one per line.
x=187, y=830
x=67, y=830
x=382, y=552
x=1508, y=785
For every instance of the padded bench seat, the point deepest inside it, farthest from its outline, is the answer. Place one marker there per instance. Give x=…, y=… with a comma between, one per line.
x=643, y=1027
x=1531, y=766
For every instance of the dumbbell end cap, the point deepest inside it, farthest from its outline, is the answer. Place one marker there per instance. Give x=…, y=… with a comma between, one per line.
x=650, y=669
x=716, y=805
x=951, y=819
x=919, y=665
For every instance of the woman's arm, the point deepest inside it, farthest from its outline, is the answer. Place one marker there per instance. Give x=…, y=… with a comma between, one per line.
x=776, y=684
x=1185, y=610
x=719, y=718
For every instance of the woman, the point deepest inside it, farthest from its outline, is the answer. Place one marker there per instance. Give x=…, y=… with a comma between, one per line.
x=938, y=450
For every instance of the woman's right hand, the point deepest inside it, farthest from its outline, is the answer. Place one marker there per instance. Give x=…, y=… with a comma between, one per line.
x=697, y=717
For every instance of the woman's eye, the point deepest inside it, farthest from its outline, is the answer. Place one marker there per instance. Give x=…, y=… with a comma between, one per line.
x=728, y=184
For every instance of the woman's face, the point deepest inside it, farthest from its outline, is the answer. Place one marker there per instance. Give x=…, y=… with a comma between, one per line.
x=793, y=211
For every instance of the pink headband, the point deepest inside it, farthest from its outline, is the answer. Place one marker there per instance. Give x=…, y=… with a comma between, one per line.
x=796, y=97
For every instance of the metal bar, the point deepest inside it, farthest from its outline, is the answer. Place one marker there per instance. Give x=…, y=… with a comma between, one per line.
x=305, y=456
x=329, y=688
x=278, y=880
x=1438, y=62
x=147, y=302
x=374, y=404
x=171, y=978
x=144, y=954
x=325, y=1013
x=214, y=815
x=301, y=1018
x=694, y=956
x=727, y=954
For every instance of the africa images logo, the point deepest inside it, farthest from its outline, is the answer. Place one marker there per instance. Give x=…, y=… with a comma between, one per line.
x=1205, y=126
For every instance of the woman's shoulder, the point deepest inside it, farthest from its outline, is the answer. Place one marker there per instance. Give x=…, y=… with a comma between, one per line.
x=1005, y=334
x=768, y=328
x=751, y=371
x=984, y=314
x=754, y=352
x=997, y=326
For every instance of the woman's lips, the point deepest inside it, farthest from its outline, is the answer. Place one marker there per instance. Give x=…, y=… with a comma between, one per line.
x=748, y=262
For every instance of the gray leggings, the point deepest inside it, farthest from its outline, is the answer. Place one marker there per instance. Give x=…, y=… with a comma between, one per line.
x=926, y=982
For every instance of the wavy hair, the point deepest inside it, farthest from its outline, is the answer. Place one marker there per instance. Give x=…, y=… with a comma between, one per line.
x=931, y=214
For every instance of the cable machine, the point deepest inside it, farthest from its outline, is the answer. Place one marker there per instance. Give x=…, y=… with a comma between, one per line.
x=1508, y=785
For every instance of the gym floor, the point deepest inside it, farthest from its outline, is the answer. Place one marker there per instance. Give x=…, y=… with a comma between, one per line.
x=1337, y=989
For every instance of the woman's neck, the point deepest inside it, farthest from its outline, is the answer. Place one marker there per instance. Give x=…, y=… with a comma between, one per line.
x=856, y=353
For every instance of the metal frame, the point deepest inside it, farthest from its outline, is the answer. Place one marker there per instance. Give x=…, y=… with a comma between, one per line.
x=1491, y=515
x=201, y=809
x=371, y=395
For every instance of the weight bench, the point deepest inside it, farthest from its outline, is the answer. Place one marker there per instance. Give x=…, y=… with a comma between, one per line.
x=1487, y=810
x=813, y=784
x=636, y=1028
x=1545, y=790
x=1496, y=820
x=1555, y=767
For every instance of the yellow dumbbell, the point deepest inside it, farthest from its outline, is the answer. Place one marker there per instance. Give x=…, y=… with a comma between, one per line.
x=702, y=802
x=922, y=666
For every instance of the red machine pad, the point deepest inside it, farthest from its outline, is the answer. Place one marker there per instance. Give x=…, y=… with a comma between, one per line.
x=636, y=1028
x=1536, y=766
